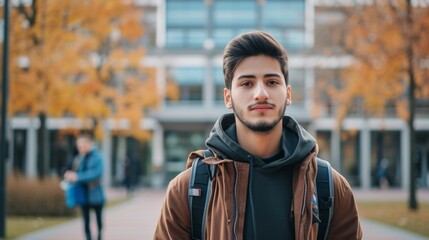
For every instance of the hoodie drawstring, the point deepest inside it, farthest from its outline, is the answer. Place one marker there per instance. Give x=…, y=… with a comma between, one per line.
x=252, y=209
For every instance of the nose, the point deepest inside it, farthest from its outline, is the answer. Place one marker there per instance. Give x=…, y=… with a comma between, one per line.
x=261, y=93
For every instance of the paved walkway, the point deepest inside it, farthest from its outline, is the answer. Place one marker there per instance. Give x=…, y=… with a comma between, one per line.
x=136, y=219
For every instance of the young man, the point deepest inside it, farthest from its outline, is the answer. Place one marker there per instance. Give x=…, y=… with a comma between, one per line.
x=86, y=170
x=264, y=183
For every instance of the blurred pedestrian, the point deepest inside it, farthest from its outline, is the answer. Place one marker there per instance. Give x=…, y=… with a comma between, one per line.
x=381, y=173
x=86, y=171
x=130, y=174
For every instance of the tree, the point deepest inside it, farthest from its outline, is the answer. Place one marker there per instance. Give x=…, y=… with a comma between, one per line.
x=390, y=44
x=80, y=59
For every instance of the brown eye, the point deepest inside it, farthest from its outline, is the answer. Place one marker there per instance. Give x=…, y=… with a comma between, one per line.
x=273, y=82
x=246, y=84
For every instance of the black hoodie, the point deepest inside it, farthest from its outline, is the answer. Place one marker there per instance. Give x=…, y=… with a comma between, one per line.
x=270, y=180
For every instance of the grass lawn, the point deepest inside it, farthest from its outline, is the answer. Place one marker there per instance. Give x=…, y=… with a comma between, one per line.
x=398, y=215
x=18, y=226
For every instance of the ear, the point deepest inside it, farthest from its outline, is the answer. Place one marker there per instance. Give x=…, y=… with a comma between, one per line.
x=227, y=98
x=289, y=95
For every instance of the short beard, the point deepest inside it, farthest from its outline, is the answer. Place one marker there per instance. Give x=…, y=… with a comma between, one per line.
x=262, y=126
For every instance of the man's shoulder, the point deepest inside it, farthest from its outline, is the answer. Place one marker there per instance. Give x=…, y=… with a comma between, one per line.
x=180, y=182
x=341, y=185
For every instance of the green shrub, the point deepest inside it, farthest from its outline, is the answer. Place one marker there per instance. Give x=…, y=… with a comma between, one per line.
x=34, y=197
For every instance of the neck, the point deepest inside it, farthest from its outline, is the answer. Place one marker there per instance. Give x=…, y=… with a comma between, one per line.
x=260, y=144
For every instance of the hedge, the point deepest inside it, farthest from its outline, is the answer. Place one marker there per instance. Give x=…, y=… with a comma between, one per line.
x=35, y=197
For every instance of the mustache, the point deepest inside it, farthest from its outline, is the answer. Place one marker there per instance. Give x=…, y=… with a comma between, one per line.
x=262, y=103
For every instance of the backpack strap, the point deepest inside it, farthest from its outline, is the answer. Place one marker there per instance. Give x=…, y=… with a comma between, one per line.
x=198, y=194
x=325, y=195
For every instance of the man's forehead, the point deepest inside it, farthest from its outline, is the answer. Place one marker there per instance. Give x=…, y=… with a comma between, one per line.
x=260, y=64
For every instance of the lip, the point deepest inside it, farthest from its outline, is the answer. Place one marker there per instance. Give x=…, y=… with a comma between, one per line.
x=261, y=107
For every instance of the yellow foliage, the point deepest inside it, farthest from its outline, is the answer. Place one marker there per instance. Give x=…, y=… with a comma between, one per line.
x=82, y=59
x=402, y=109
x=377, y=35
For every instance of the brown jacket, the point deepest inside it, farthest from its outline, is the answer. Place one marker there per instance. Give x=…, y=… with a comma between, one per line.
x=227, y=204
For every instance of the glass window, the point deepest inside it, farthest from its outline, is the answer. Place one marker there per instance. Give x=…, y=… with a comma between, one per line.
x=187, y=21
x=195, y=38
x=290, y=13
x=227, y=13
x=185, y=13
x=190, y=81
x=178, y=145
x=231, y=18
x=285, y=20
x=175, y=38
x=186, y=24
x=294, y=38
x=222, y=35
x=289, y=38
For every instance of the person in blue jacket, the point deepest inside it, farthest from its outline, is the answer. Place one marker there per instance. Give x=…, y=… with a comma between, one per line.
x=86, y=171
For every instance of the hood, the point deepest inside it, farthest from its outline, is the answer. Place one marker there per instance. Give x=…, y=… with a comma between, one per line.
x=297, y=143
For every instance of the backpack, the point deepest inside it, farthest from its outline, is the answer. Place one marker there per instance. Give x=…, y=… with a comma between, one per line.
x=199, y=188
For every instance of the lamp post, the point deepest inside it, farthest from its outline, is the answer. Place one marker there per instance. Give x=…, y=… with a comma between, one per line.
x=3, y=120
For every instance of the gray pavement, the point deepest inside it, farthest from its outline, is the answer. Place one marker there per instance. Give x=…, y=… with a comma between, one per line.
x=137, y=217
x=134, y=219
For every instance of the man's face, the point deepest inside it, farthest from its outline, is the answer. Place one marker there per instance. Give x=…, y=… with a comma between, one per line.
x=259, y=94
x=84, y=145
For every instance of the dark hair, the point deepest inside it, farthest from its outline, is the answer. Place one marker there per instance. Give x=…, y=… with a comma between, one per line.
x=85, y=135
x=250, y=44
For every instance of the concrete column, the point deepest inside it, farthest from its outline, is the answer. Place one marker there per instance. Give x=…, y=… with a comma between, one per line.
x=209, y=85
x=309, y=87
x=405, y=161
x=158, y=159
x=336, y=150
x=120, y=163
x=106, y=148
x=31, y=149
x=365, y=157
x=309, y=23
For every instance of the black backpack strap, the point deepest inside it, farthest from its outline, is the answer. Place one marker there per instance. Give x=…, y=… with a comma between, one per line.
x=325, y=196
x=198, y=192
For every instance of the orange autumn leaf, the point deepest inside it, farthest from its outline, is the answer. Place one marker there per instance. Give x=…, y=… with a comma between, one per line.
x=80, y=59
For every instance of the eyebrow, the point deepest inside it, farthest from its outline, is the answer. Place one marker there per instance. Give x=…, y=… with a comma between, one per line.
x=265, y=76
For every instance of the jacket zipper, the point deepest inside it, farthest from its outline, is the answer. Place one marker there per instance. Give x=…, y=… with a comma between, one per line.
x=235, y=202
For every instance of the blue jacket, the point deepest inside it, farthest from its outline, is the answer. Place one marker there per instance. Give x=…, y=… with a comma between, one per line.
x=89, y=175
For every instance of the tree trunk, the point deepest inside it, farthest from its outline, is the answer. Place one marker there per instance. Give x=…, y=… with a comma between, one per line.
x=412, y=201
x=413, y=188
x=411, y=101
x=43, y=159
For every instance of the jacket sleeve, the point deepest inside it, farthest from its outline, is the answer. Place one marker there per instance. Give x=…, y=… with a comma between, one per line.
x=174, y=222
x=345, y=220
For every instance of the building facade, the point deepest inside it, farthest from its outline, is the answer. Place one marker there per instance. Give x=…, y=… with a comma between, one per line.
x=185, y=40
